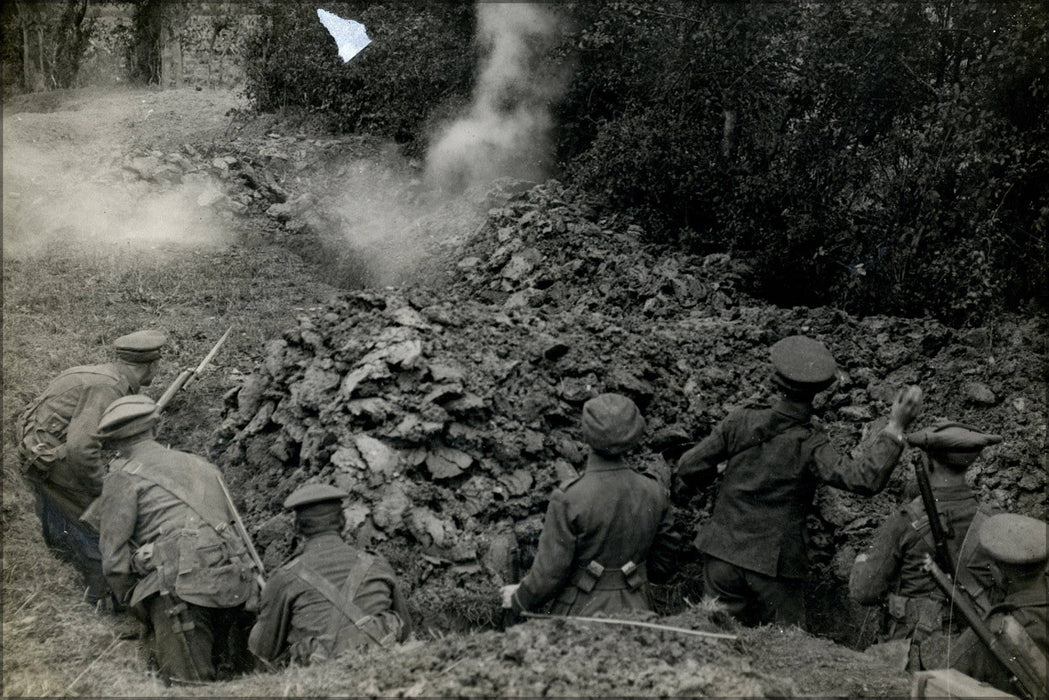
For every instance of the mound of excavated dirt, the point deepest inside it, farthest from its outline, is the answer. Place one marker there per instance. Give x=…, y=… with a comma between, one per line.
x=561, y=658
x=449, y=413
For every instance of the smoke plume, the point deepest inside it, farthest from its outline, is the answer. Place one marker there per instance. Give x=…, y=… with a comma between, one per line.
x=507, y=129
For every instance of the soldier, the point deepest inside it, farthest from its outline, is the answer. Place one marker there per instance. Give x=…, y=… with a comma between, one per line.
x=330, y=598
x=62, y=457
x=169, y=549
x=892, y=569
x=754, y=544
x=600, y=526
x=1017, y=546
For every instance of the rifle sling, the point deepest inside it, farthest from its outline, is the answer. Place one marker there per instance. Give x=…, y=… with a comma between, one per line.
x=190, y=493
x=342, y=600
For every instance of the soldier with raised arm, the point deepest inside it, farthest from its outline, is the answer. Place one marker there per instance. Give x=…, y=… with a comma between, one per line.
x=62, y=456
x=755, y=560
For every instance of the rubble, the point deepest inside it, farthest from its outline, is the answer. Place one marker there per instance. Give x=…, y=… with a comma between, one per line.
x=449, y=408
x=449, y=412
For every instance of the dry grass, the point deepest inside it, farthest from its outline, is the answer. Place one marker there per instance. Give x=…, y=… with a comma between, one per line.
x=61, y=307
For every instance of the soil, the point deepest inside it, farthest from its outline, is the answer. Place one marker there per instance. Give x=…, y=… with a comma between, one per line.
x=447, y=404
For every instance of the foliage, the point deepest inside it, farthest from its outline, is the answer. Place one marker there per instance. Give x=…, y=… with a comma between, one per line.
x=878, y=156
x=46, y=42
x=421, y=56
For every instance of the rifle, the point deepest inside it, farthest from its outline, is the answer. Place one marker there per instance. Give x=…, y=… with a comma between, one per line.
x=939, y=532
x=186, y=375
x=1028, y=679
x=260, y=569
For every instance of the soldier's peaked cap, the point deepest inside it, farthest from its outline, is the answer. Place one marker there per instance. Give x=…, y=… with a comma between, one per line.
x=127, y=416
x=140, y=346
x=313, y=493
x=1014, y=539
x=803, y=363
x=947, y=437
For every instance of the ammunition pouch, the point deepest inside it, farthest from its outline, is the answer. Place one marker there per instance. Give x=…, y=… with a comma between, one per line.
x=921, y=617
x=595, y=577
x=896, y=606
x=197, y=564
x=38, y=443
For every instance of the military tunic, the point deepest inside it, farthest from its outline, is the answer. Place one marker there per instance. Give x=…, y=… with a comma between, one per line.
x=1030, y=607
x=167, y=543
x=611, y=515
x=776, y=460
x=63, y=460
x=294, y=616
x=894, y=568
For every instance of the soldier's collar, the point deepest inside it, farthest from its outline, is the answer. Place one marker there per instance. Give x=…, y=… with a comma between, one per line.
x=792, y=409
x=596, y=462
x=124, y=370
x=317, y=538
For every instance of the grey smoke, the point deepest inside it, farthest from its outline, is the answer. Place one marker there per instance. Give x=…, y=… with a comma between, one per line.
x=506, y=131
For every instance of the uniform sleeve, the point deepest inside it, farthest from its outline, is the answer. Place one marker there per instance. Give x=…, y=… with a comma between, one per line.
x=118, y=509
x=866, y=475
x=379, y=597
x=553, y=558
x=875, y=570
x=665, y=553
x=83, y=449
x=269, y=636
x=698, y=465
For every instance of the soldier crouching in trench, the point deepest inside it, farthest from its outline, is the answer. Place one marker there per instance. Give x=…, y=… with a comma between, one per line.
x=600, y=526
x=1017, y=547
x=168, y=545
x=754, y=543
x=62, y=457
x=892, y=570
x=332, y=597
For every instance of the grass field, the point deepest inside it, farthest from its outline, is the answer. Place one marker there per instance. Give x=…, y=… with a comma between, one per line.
x=62, y=305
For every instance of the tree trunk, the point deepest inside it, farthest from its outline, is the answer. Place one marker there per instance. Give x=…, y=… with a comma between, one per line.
x=728, y=133
x=40, y=49
x=27, y=64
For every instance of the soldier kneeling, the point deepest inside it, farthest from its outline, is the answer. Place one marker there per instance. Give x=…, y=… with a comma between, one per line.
x=332, y=597
x=166, y=540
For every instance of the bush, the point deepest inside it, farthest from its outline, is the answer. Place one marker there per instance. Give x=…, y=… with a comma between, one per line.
x=420, y=56
x=882, y=157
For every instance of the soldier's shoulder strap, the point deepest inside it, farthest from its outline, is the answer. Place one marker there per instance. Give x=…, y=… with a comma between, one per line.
x=119, y=464
x=341, y=600
x=569, y=481
x=108, y=371
x=186, y=490
x=765, y=432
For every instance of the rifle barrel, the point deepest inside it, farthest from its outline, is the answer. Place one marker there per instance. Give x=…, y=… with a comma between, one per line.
x=211, y=353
